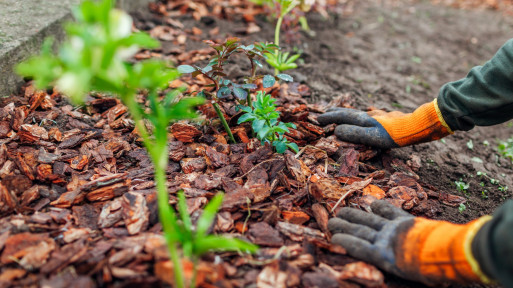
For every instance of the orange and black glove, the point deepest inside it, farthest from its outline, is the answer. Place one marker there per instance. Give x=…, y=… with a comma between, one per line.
x=388, y=129
x=413, y=248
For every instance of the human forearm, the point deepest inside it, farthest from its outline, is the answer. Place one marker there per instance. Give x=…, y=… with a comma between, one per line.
x=484, y=97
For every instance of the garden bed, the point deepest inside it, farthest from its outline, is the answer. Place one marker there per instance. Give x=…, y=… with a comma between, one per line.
x=78, y=199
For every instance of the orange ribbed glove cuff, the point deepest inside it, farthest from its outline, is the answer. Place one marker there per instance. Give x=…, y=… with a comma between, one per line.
x=441, y=251
x=423, y=125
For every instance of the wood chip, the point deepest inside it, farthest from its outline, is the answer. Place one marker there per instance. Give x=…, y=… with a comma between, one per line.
x=321, y=217
x=295, y=217
x=185, y=132
x=135, y=212
x=298, y=232
x=263, y=234
x=362, y=273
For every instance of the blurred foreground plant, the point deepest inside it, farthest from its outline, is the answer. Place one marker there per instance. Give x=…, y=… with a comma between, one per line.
x=95, y=59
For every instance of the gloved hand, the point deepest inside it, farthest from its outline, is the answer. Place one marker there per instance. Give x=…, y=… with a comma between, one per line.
x=410, y=247
x=388, y=130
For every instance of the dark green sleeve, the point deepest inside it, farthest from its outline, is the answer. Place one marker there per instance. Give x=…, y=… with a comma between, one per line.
x=493, y=246
x=484, y=97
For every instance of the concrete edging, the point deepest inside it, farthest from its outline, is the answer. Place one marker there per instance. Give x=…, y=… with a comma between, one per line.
x=25, y=24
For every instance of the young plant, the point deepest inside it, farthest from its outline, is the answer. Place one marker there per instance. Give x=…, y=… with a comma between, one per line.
x=280, y=60
x=506, y=148
x=94, y=58
x=264, y=121
x=224, y=88
x=196, y=242
x=462, y=186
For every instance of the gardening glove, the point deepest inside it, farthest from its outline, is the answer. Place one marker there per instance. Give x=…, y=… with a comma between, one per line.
x=388, y=129
x=413, y=248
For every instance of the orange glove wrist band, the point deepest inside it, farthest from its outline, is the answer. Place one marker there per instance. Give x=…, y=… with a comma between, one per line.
x=424, y=124
x=441, y=251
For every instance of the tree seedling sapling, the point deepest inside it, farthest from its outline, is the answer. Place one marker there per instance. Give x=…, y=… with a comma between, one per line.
x=223, y=88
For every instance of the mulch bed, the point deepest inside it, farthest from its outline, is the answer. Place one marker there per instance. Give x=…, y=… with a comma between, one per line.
x=78, y=202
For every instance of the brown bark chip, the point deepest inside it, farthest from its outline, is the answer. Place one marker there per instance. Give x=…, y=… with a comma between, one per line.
x=135, y=212
x=263, y=234
x=17, y=246
x=185, y=132
x=362, y=273
x=321, y=216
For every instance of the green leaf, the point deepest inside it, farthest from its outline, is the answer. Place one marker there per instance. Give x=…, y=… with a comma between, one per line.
x=224, y=92
x=208, y=215
x=216, y=243
x=258, y=125
x=240, y=93
x=293, y=147
x=245, y=118
x=262, y=134
x=184, y=109
x=281, y=146
x=268, y=81
x=184, y=214
x=293, y=58
x=250, y=86
x=140, y=39
x=258, y=63
x=184, y=69
x=285, y=77
x=246, y=109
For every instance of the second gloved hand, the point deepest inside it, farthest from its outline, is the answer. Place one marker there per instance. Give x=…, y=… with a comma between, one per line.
x=413, y=248
x=388, y=129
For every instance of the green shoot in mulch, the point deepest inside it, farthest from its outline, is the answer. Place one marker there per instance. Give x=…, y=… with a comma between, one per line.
x=264, y=121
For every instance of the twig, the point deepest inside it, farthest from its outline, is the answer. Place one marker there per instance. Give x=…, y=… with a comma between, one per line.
x=341, y=199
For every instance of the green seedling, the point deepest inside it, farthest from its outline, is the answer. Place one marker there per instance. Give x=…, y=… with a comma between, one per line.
x=281, y=60
x=196, y=241
x=95, y=58
x=462, y=208
x=493, y=181
x=264, y=121
x=470, y=145
x=224, y=88
x=462, y=186
x=506, y=148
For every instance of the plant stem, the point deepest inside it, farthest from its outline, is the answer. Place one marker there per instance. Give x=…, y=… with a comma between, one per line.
x=158, y=155
x=277, y=38
x=223, y=121
x=163, y=204
x=194, y=272
x=249, y=102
